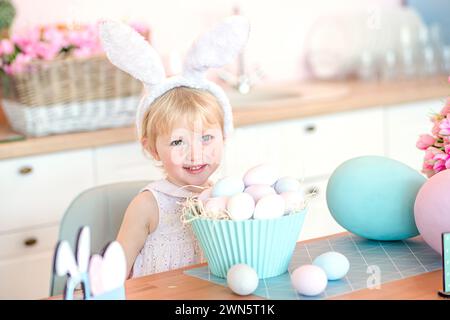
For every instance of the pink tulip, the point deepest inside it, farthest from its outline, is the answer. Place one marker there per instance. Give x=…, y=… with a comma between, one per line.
x=445, y=126
x=425, y=141
x=446, y=109
x=6, y=47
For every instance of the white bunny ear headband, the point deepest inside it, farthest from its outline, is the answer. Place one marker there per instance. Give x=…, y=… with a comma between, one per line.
x=130, y=52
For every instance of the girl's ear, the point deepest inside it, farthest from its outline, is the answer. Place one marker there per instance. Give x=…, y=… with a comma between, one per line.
x=152, y=151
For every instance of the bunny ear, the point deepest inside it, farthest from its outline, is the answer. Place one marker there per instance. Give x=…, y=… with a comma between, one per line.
x=83, y=248
x=217, y=47
x=130, y=52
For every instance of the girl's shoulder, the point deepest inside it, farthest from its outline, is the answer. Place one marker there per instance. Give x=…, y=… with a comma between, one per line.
x=143, y=210
x=168, y=188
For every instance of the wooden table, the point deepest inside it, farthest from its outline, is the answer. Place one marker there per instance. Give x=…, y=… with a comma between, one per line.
x=176, y=285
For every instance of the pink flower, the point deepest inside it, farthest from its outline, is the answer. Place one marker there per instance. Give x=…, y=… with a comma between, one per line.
x=19, y=64
x=425, y=141
x=446, y=109
x=6, y=47
x=142, y=28
x=55, y=37
x=445, y=126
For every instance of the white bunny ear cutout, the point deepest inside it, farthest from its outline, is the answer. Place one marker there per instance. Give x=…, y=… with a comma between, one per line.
x=130, y=52
x=217, y=47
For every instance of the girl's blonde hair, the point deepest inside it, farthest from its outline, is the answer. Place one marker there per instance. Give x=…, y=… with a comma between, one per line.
x=180, y=103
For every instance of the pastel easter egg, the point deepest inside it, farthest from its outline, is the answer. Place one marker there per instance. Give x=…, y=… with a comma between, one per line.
x=261, y=174
x=373, y=197
x=432, y=209
x=335, y=264
x=309, y=280
x=216, y=204
x=293, y=200
x=242, y=279
x=269, y=207
x=257, y=191
x=114, y=267
x=228, y=186
x=240, y=206
x=287, y=184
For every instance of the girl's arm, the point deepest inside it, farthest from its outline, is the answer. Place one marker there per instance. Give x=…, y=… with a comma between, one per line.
x=141, y=219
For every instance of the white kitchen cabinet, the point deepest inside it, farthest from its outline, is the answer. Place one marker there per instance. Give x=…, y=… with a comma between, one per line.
x=37, y=190
x=318, y=221
x=404, y=124
x=26, y=277
x=124, y=162
x=310, y=147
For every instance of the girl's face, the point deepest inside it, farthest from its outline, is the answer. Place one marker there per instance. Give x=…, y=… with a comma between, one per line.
x=189, y=156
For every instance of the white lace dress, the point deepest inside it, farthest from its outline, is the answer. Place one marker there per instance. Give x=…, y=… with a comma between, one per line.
x=172, y=245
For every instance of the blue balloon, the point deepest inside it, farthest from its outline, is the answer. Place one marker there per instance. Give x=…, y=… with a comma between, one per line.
x=373, y=197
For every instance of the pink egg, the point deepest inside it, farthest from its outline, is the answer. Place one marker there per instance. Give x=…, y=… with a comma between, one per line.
x=432, y=209
x=293, y=200
x=261, y=174
x=216, y=204
x=309, y=280
x=257, y=191
x=269, y=207
x=204, y=195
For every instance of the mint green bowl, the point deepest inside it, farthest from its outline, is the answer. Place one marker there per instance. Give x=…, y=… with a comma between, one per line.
x=265, y=245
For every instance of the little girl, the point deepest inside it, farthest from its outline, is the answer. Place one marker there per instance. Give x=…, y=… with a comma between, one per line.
x=183, y=122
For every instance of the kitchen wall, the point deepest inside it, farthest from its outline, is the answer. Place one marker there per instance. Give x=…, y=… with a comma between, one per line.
x=278, y=27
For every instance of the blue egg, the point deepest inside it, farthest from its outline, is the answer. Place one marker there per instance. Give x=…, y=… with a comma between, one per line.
x=335, y=264
x=373, y=197
x=287, y=184
x=227, y=187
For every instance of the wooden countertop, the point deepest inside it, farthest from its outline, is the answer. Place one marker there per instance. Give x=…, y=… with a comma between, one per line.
x=319, y=98
x=175, y=285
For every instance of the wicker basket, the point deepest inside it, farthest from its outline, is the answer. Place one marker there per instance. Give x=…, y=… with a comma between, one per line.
x=67, y=95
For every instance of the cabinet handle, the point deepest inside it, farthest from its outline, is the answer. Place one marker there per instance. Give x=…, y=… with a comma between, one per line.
x=25, y=170
x=313, y=190
x=30, y=242
x=310, y=128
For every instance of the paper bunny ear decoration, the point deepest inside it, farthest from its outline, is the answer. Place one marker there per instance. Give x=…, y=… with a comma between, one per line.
x=130, y=52
x=102, y=276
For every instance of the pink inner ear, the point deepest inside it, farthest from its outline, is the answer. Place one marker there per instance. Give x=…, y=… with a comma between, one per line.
x=95, y=274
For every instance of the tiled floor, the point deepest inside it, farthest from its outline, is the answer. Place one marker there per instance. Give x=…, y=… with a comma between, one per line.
x=371, y=263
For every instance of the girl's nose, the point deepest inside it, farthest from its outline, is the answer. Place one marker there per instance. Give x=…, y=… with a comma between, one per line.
x=196, y=152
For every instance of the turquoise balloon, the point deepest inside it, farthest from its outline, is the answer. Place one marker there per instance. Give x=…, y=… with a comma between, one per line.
x=373, y=197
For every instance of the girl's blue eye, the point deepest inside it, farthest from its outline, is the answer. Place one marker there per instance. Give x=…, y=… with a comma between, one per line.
x=207, y=137
x=176, y=142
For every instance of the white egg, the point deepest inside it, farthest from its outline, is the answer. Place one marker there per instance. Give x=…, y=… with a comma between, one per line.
x=293, y=200
x=257, y=191
x=240, y=206
x=228, y=186
x=269, y=207
x=309, y=280
x=216, y=204
x=261, y=174
x=242, y=279
x=286, y=184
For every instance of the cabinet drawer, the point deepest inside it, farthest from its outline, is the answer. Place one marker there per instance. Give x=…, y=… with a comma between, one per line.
x=27, y=277
x=318, y=221
x=37, y=190
x=27, y=242
x=124, y=162
x=327, y=141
